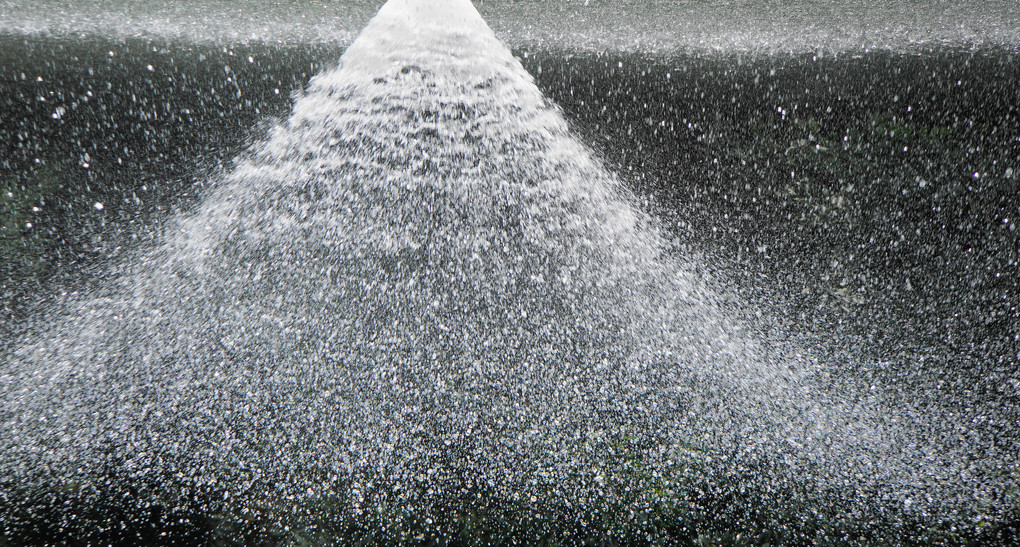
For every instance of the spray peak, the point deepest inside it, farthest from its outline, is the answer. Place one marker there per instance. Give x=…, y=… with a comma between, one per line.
x=444, y=34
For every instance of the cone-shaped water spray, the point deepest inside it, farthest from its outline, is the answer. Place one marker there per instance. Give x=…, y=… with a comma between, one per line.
x=421, y=251
x=426, y=214
x=422, y=279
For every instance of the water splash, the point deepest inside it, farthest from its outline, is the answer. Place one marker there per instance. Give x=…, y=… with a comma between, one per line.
x=652, y=27
x=422, y=279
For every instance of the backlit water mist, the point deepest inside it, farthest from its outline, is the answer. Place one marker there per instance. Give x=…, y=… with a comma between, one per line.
x=422, y=294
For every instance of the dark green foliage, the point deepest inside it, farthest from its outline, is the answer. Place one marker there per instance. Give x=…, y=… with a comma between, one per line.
x=22, y=247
